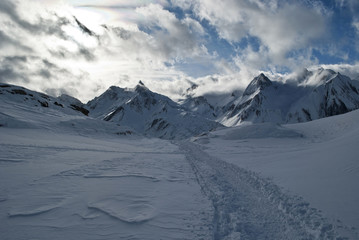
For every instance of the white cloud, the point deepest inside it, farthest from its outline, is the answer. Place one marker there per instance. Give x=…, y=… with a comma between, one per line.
x=281, y=27
x=350, y=70
x=356, y=26
x=171, y=37
x=117, y=55
x=44, y=48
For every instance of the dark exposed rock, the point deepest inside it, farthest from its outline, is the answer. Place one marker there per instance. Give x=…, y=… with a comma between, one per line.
x=19, y=91
x=80, y=109
x=43, y=103
x=59, y=104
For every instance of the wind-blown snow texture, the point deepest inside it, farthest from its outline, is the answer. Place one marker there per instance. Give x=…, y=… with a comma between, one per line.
x=95, y=171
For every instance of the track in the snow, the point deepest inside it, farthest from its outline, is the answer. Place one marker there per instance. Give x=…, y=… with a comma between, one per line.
x=247, y=206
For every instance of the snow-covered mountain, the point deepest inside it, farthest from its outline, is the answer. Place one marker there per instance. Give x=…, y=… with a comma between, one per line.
x=336, y=95
x=313, y=95
x=65, y=103
x=199, y=105
x=147, y=112
x=70, y=167
x=308, y=96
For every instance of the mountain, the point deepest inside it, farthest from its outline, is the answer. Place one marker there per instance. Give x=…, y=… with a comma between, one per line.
x=336, y=95
x=200, y=106
x=262, y=101
x=312, y=95
x=308, y=96
x=147, y=112
x=20, y=95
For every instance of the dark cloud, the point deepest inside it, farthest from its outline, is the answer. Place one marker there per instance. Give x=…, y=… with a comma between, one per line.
x=9, y=8
x=42, y=26
x=122, y=33
x=7, y=74
x=6, y=41
x=87, y=54
x=20, y=69
x=48, y=69
x=11, y=60
x=9, y=69
x=119, y=6
x=82, y=52
x=45, y=73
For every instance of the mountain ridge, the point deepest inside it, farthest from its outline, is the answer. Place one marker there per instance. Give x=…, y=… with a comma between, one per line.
x=317, y=94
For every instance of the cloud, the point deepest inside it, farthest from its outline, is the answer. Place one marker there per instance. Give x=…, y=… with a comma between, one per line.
x=350, y=70
x=37, y=73
x=40, y=26
x=173, y=38
x=52, y=46
x=58, y=51
x=7, y=41
x=279, y=26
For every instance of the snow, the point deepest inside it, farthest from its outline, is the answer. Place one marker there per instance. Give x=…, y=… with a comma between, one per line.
x=313, y=95
x=64, y=175
x=66, y=186
x=149, y=113
x=247, y=206
x=317, y=160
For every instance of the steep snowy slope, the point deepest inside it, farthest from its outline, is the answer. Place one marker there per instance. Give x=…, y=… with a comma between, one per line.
x=149, y=113
x=262, y=101
x=312, y=95
x=211, y=105
x=199, y=106
x=337, y=95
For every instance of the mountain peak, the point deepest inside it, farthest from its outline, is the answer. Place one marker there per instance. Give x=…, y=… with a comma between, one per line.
x=141, y=87
x=262, y=79
x=258, y=83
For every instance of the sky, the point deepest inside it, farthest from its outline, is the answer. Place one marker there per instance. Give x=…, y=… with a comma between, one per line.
x=82, y=47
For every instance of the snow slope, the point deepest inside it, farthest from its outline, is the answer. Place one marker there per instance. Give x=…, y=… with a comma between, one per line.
x=317, y=160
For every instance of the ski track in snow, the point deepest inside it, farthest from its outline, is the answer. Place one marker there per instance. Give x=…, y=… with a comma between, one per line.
x=247, y=206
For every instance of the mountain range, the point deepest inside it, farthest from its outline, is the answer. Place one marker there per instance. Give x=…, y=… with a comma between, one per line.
x=308, y=96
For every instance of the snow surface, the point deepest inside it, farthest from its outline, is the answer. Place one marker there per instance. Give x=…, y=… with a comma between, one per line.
x=66, y=186
x=67, y=176
x=316, y=160
x=64, y=175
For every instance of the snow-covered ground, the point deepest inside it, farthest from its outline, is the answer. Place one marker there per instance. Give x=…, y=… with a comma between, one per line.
x=67, y=176
x=316, y=160
x=63, y=186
